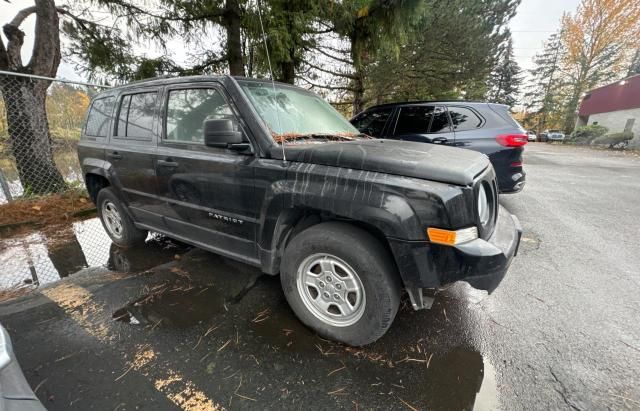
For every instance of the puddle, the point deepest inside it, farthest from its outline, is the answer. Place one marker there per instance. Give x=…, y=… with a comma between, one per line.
x=40, y=258
x=487, y=398
x=178, y=304
x=278, y=327
x=173, y=306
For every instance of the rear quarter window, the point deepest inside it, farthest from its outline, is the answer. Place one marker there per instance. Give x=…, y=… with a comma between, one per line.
x=463, y=118
x=99, y=117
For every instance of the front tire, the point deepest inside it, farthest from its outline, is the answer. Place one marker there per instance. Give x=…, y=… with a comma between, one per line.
x=116, y=221
x=341, y=282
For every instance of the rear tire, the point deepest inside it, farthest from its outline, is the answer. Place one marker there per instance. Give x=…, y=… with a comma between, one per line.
x=341, y=282
x=116, y=221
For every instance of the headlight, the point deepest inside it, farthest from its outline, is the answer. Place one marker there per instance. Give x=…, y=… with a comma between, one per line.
x=484, y=211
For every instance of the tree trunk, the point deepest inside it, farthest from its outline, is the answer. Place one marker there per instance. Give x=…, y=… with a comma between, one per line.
x=357, y=51
x=29, y=137
x=287, y=72
x=231, y=21
x=358, y=93
x=572, y=105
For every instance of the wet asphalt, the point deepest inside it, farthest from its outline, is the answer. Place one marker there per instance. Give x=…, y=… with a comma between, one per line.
x=199, y=331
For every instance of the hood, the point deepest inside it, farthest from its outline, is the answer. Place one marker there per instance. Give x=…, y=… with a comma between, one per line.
x=404, y=158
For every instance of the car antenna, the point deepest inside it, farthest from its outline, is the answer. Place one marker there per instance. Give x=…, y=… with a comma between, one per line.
x=273, y=83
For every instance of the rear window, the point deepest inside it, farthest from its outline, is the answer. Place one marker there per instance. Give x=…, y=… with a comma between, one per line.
x=414, y=120
x=135, y=118
x=440, y=122
x=99, y=117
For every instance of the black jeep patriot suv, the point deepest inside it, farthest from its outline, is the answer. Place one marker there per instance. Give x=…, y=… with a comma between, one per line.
x=271, y=175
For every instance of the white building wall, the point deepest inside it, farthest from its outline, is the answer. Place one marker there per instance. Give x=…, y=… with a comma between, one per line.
x=616, y=120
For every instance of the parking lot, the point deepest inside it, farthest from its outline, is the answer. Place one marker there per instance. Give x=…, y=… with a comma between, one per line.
x=199, y=331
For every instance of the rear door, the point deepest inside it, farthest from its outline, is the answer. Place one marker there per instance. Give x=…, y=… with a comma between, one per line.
x=469, y=128
x=422, y=123
x=131, y=152
x=208, y=193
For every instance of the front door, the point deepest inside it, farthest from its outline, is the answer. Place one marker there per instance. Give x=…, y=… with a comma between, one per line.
x=423, y=123
x=208, y=192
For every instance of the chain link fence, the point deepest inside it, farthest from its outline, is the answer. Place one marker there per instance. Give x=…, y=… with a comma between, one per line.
x=40, y=123
x=48, y=225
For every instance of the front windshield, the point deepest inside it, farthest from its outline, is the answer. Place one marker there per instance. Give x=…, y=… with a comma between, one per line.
x=295, y=114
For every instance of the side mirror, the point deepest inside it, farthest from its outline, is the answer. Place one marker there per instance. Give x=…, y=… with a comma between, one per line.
x=223, y=133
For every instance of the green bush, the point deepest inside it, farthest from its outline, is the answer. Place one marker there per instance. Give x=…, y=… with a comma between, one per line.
x=614, y=138
x=586, y=134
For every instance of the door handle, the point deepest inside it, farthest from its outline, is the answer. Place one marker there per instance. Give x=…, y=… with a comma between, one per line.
x=115, y=155
x=167, y=163
x=439, y=140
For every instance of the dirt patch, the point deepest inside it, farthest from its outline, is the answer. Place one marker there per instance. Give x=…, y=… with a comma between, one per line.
x=12, y=293
x=24, y=215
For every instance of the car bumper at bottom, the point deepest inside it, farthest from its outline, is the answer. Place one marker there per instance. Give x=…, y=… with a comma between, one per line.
x=481, y=263
x=15, y=393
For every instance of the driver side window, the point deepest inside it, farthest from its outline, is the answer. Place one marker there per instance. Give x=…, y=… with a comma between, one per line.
x=187, y=109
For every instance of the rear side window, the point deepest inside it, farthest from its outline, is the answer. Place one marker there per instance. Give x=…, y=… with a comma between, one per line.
x=440, y=122
x=188, y=109
x=99, y=117
x=414, y=120
x=372, y=122
x=135, y=118
x=464, y=119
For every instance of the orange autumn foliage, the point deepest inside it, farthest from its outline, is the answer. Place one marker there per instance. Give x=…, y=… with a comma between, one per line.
x=597, y=27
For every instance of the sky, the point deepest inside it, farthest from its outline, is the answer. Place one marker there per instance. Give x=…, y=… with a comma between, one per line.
x=534, y=22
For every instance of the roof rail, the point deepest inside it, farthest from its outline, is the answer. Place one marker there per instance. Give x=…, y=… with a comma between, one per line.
x=398, y=103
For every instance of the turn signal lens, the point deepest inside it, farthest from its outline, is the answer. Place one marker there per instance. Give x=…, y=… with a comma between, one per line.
x=449, y=237
x=512, y=140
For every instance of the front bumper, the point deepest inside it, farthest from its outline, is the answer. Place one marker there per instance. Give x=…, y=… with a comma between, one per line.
x=481, y=263
x=485, y=262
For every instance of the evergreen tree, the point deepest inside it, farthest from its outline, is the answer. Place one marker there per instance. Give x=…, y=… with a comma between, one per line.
x=369, y=27
x=544, y=89
x=449, y=53
x=504, y=81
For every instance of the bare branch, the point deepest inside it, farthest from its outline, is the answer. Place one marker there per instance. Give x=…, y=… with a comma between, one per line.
x=321, y=51
x=335, y=73
x=21, y=16
x=327, y=87
x=46, y=45
x=10, y=57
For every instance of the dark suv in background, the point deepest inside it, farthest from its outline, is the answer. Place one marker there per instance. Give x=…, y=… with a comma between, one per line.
x=484, y=127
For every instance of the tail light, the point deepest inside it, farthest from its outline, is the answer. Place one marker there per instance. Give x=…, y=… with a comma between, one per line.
x=512, y=140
